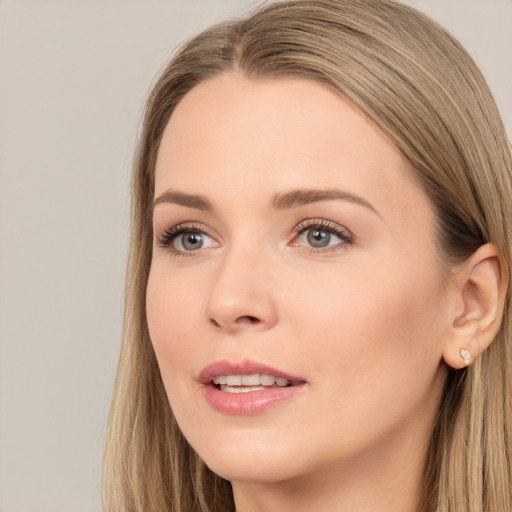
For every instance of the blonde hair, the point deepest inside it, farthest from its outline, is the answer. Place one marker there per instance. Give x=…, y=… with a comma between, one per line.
x=419, y=86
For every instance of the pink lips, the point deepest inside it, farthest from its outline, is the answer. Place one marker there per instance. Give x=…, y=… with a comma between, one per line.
x=251, y=402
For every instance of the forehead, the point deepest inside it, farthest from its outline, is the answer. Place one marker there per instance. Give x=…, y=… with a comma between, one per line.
x=273, y=135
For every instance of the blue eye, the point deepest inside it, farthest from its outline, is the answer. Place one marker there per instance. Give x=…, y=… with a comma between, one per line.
x=322, y=234
x=318, y=237
x=189, y=241
x=184, y=239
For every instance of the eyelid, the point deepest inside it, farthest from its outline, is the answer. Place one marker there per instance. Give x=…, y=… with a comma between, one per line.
x=165, y=239
x=345, y=235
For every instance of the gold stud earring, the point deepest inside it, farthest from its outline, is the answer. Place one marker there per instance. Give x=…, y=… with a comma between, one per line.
x=464, y=353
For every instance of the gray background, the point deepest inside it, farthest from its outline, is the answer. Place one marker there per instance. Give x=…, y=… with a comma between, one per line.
x=73, y=76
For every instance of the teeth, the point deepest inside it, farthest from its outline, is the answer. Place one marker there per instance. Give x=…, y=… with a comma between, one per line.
x=234, y=380
x=250, y=380
x=241, y=389
x=267, y=380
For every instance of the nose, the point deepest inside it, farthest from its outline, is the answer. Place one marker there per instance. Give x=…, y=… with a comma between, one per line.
x=241, y=297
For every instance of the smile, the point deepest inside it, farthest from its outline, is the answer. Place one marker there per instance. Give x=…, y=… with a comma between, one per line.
x=249, y=383
x=246, y=388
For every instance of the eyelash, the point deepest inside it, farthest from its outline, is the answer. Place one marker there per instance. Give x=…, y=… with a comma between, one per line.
x=346, y=237
x=165, y=240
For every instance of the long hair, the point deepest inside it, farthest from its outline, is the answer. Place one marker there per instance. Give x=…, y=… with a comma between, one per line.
x=420, y=88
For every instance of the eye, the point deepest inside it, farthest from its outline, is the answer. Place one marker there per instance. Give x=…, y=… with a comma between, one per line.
x=322, y=234
x=191, y=241
x=183, y=239
x=318, y=237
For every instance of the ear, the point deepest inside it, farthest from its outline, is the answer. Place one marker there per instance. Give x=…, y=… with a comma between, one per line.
x=480, y=288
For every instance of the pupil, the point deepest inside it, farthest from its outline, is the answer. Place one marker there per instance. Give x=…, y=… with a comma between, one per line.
x=319, y=238
x=192, y=241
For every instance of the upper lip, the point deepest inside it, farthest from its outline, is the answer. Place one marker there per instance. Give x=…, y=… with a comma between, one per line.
x=245, y=367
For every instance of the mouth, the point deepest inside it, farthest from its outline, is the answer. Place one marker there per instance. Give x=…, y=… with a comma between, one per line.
x=250, y=383
x=247, y=387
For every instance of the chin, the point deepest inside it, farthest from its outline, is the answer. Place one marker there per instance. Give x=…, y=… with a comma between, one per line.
x=249, y=463
x=247, y=471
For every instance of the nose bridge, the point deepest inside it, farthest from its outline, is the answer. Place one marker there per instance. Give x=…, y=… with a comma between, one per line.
x=241, y=292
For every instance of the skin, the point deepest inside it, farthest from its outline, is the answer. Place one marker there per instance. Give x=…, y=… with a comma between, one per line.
x=364, y=322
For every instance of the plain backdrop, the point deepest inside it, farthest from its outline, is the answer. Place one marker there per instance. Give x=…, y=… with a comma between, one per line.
x=73, y=78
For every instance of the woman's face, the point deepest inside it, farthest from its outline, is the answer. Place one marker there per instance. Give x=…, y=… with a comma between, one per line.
x=296, y=304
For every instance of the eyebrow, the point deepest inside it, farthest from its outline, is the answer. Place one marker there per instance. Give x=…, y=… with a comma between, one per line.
x=281, y=201
x=189, y=200
x=302, y=197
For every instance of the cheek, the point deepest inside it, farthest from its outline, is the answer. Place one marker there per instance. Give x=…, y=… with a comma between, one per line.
x=374, y=347
x=369, y=328
x=172, y=314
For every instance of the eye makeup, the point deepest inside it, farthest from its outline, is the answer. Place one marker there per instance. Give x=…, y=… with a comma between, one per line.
x=319, y=236
x=315, y=235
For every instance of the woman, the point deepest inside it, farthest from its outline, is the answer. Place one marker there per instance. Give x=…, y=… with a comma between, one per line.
x=318, y=309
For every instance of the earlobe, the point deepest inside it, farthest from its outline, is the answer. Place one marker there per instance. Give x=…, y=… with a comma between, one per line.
x=466, y=355
x=480, y=292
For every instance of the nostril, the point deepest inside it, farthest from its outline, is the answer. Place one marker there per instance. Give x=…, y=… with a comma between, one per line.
x=241, y=321
x=248, y=319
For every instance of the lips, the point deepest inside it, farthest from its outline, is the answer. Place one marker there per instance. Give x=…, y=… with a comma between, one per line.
x=247, y=387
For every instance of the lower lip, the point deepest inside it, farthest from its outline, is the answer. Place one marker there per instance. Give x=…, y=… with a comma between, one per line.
x=248, y=403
